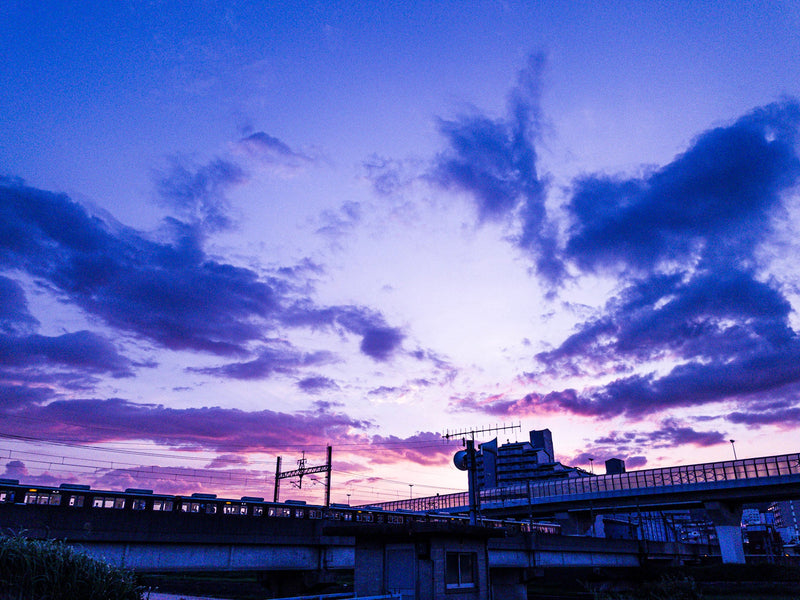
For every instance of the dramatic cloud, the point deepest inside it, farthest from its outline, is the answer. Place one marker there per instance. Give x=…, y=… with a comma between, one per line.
x=693, y=293
x=378, y=341
x=82, y=350
x=215, y=428
x=169, y=292
x=712, y=204
x=70, y=359
x=494, y=160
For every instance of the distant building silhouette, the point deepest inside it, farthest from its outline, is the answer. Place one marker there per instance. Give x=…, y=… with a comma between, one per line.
x=519, y=462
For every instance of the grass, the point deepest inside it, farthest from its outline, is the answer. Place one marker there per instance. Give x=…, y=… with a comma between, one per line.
x=50, y=570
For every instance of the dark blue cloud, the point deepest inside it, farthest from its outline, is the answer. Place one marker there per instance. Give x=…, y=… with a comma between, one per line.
x=378, y=340
x=380, y=343
x=495, y=161
x=317, y=385
x=14, y=315
x=165, y=289
x=26, y=356
x=714, y=315
x=168, y=292
x=686, y=240
x=279, y=358
x=788, y=417
x=223, y=429
x=16, y=395
x=713, y=203
x=82, y=351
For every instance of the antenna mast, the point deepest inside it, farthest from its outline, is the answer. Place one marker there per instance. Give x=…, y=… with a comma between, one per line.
x=465, y=460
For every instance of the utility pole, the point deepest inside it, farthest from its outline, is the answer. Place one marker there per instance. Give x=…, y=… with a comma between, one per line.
x=302, y=470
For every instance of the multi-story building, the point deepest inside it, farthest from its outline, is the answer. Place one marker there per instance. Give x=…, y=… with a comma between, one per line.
x=519, y=462
x=787, y=519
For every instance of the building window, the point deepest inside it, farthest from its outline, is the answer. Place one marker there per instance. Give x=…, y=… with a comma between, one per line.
x=460, y=570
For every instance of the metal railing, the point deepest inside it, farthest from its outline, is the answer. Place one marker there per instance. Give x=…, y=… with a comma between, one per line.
x=532, y=491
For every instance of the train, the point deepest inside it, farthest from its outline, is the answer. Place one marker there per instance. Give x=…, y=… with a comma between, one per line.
x=69, y=496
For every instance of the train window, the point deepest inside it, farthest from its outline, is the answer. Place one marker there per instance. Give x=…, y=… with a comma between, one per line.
x=162, y=505
x=314, y=513
x=139, y=504
x=43, y=498
x=365, y=517
x=347, y=516
x=76, y=501
x=3, y=496
x=258, y=511
x=108, y=502
x=235, y=509
x=396, y=519
x=190, y=507
x=299, y=513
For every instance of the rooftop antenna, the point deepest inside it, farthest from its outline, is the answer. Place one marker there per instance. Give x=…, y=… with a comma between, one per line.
x=302, y=470
x=465, y=460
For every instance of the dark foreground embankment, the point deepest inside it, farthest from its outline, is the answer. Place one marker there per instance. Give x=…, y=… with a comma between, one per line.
x=717, y=582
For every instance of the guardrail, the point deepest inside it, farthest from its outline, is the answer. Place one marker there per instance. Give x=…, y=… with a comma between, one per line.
x=746, y=468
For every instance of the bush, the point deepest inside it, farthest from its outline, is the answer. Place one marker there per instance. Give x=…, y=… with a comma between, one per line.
x=49, y=570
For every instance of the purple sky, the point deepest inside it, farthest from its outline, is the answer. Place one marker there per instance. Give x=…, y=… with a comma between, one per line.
x=232, y=232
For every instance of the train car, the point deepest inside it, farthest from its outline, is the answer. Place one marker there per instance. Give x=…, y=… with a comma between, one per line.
x=75, y=497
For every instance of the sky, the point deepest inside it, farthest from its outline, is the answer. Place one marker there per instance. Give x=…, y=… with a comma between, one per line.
x=232, y=231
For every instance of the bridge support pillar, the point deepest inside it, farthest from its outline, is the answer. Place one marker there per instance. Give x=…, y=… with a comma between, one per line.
x=727, y=519
x=509, y=584
x=575, y=523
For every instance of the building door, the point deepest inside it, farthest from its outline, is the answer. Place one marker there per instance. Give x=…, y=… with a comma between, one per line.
x=400, y=573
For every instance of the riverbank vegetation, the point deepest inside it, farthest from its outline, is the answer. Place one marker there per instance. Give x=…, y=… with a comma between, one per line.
x=35, y=569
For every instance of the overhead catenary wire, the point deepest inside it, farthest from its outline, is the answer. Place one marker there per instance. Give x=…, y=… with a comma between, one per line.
x=206, y=475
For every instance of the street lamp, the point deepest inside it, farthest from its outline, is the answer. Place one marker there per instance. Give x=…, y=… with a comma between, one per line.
x=410, y=490
x=591, y=464
x=348, y=499
x=734, y=449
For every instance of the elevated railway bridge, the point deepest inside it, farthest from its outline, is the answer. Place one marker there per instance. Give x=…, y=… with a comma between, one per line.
x=721, y=488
